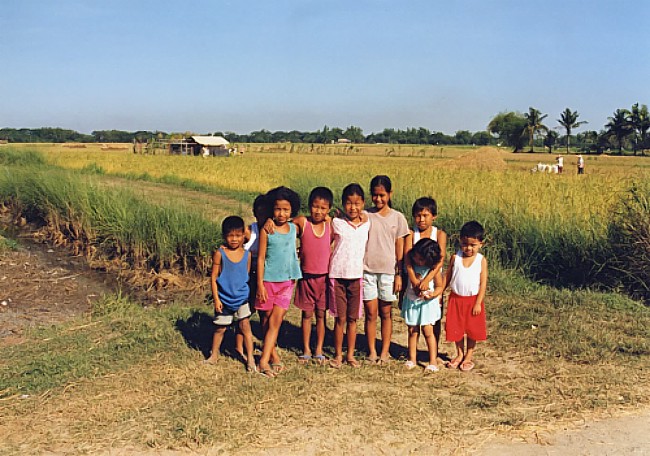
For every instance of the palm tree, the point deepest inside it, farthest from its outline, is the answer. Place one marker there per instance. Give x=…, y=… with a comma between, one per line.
x=569, y=120
x=640, y=120
x=534, y=123
x=619, y=126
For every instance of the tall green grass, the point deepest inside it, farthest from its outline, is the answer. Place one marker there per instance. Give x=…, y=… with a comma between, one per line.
x=119, y=225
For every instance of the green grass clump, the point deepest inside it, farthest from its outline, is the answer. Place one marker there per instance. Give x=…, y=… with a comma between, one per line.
x=9, y=156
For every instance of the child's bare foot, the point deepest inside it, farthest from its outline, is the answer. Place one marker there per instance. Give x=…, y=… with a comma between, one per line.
x=467, y=365
x=337, y=362
x=266, y=371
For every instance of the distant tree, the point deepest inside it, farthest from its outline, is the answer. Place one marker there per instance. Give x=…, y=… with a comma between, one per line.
x=463, y=137
x=509, y=127
x=550, y=139
x=569, y=120
x=481, y=138
x=534, y=124
x=619, y=127
x=640, y=121
x=354, y=134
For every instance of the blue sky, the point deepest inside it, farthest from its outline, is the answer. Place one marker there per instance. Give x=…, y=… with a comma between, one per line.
x=207, y=65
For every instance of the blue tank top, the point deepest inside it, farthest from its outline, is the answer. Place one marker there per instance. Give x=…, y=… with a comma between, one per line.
x=281, y=262
x=233, y=281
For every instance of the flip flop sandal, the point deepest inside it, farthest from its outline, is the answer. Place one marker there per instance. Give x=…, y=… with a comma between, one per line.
x=408, y=365
x=278, y=367
x=467, y=366
x=374, y=360
x=251, y=369
x=452, y=365
x=268, y=373
x=352, y=363
x=335, y=363
x=320, y=359
x=431, y=369
x=304, y=359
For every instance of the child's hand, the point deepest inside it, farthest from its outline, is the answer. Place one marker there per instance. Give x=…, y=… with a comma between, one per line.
x=415, y=284
x=261, y=295
x=424, y=285
x=476, y=309
x=218, y=306
x=269, y=226
x=397, y=284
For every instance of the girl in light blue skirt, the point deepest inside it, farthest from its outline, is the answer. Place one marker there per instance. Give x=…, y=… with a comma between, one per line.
x=421, y=308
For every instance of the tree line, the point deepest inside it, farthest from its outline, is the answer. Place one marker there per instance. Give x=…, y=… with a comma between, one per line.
x=625, y=129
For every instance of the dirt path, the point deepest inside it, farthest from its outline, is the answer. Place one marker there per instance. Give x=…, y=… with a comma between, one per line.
x=615, y=436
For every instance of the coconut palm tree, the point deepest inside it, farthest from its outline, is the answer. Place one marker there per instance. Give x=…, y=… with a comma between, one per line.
x=534, y=124
x=640, y=120
x=569, y=120
x=619, y=126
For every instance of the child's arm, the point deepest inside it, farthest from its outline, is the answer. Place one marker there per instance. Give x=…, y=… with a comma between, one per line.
x=450, y=268
x=408, y=245
x=216, y=270
x=482, y=288
x=299, y=221
x=399, y=257
x=438, y=285
x=261, y=257
x=442, y=242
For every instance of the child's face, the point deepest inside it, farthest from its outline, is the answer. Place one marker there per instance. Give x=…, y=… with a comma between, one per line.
x=470, y=246
x=281, y=211
x=319, y=210
x=418, y=259
x=260, y=214
x=424, y=219
x=380, y=197
x=353, y=206
x=234, y=239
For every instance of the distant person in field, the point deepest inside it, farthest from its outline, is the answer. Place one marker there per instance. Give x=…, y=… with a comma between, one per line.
x=230, y=291
x=277, y=271
x=421, y=307
x=311, y=295
x=382, y=280
x=350, y=235
x=425, y=213
x=560, y=163
x=581, y=165
x=467, y=278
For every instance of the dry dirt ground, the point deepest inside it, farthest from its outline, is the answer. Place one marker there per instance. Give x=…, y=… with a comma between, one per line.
x=42, y=286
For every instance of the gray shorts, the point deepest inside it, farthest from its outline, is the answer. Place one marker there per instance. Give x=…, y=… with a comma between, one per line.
x=226, y=317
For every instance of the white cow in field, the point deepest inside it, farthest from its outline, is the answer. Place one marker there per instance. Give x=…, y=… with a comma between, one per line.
x=545, y=168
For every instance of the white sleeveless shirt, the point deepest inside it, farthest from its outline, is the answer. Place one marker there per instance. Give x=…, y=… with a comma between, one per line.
x=253, y=243
x=466, y=281
x=416, y=234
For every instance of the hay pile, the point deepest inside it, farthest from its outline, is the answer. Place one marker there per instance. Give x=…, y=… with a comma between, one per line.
x=484, y=158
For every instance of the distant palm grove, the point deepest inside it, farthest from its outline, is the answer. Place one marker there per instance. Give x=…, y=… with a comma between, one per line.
x=626, y=129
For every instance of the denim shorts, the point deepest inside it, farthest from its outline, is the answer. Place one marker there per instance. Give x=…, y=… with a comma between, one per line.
x=378, y=286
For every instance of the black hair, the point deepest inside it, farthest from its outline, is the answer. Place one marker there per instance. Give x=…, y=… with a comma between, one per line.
x=323, y=193
x=426, y=202
x=232, y=223
x=382, y=181
x=428, y=249
x=286, y=194
x=352, y=189
x=472, y=229
x=261, y=206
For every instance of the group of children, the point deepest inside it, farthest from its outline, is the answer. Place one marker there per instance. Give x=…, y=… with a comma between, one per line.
x=357, y=261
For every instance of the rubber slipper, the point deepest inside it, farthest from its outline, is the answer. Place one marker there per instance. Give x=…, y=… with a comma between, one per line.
x=352, y=363
x=278, y=367
x=320, y=359
x=431, y=368
x=452, y=365
x=251, y=369
x=335, y=363
x=373, y=360
x=268, y=373
x=467, y=366
x=408, y=365
x=304, y=359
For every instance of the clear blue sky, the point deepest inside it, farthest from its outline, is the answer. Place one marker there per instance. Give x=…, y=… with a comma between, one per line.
x=208, y=65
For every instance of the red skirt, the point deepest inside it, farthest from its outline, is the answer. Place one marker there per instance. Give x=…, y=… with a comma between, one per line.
x=460, y=320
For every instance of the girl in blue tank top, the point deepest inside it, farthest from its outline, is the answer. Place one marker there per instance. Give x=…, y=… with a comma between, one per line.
x=277, y=272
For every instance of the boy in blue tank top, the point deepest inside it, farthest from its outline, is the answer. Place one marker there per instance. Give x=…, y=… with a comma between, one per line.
x=229, y=281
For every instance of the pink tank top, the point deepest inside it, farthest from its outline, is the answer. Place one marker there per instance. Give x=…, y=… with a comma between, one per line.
x=315, y=250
